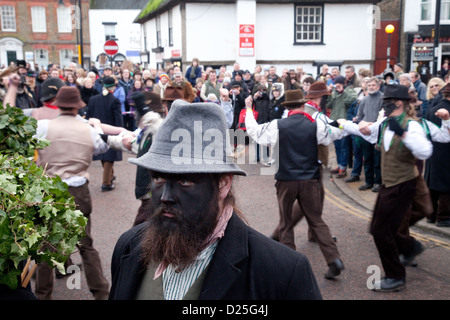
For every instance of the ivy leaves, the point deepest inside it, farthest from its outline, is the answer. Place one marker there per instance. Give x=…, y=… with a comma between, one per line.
x=16, y=133
x=38, y=216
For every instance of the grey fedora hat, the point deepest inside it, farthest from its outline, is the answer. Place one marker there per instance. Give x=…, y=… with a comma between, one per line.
x=192, y=139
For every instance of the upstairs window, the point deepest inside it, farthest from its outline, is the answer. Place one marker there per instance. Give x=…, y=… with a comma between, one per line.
x=110, y=30
x=64, y=19
x=158, y=32
x=425, y=10
x=8, y=18
x=38, y=20
x=445, y=10
x=171, y=28
x=308, y=24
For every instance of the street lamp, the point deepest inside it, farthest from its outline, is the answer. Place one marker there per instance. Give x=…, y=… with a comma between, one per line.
x=389, y=30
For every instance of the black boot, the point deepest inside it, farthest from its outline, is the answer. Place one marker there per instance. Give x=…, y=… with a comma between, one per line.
x=334, y=269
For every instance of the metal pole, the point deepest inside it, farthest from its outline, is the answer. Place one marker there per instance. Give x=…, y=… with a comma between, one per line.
x=388, y=52
x=436, y=36
x=81, y=36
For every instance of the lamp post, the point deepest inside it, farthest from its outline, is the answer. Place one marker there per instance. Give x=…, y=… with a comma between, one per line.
x=81, y=52
x=436, y=35
x=389, y=30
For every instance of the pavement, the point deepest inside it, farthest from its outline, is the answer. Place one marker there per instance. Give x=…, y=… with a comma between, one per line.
x=366, y=199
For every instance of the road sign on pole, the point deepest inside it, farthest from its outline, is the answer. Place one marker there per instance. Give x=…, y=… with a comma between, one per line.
x=111, y=47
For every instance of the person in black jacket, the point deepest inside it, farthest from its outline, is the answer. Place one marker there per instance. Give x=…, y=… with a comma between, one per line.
x=276, y=99
x=107, y=108
x=87, y=91
x=437, y=168
x=261, y=104
x=196, y=244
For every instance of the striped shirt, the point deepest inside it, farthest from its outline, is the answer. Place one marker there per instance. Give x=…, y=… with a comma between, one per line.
x=176, y=284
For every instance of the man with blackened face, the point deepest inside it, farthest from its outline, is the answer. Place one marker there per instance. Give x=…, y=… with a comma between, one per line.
x=196, y=244
x=187, y=211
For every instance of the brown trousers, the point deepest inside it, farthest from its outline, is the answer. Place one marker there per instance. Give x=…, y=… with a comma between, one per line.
x=108, y=172
x=441, y=205
x=392, y=206
x=309, y=194
x=422, y=207
x=96, y=281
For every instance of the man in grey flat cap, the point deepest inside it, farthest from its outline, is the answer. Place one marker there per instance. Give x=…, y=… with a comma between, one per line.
x=196, y=244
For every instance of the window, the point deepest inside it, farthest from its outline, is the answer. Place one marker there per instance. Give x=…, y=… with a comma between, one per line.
x=445, y=10
x=38, y=20
x=171, y=28
x=41, y=58
x=308, y=24
x=144, y=32
x=65, y=57
x=158, y=32
x=8, y=18
x=110, y=30
x=425, y=10
x=64, y=19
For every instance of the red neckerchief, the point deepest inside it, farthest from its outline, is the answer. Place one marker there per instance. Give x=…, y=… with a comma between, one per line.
x=292, y=112
x=48, y=105
x=315, y=105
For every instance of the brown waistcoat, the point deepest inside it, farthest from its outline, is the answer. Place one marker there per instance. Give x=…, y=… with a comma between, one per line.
x=71, y=148
x=398, y=164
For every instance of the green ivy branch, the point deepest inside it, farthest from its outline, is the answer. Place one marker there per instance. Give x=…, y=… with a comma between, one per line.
x=38, y=216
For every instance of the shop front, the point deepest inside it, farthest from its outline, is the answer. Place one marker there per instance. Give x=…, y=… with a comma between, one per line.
x=422, y=53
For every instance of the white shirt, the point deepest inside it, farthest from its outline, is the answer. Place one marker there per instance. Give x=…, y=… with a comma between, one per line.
x=267, y=133
x=415, y=139
x=176, y=284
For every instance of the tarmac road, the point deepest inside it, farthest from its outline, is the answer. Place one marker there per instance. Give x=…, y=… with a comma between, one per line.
x=114, y=213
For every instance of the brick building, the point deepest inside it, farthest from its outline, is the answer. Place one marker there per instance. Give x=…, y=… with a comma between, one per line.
x=43, y=32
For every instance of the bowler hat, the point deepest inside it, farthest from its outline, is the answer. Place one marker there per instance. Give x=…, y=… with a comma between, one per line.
x=294, y=98
x=192, y=139
x=50, y=88
x=396, y=92
x=318, y=89
x=21, y=63
x=69, y=97
x=109, y=82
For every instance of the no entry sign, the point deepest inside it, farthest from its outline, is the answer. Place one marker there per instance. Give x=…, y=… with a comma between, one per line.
x=246, y=40
x=111, y=47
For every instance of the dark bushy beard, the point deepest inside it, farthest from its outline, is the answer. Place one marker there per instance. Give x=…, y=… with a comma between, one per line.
x=178, y=241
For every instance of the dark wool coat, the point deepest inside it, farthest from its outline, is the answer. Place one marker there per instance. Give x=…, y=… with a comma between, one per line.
x=276, y=108
x=262, y=105
x=108, y=110
x=246, y=266
x=437, y=167
x=197, y=72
